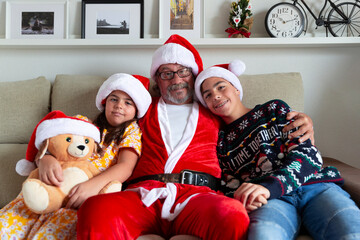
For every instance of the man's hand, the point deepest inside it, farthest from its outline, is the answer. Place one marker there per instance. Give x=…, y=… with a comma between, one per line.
x=50, y=171
x=305, y=125
x=252, y=195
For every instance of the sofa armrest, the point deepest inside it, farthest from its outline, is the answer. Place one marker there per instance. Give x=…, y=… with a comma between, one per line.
x=351, y=177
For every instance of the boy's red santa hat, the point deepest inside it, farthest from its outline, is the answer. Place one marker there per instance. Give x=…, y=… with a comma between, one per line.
x=136, y=86
x=229, y=72
x=176, y=50
x=53, y=124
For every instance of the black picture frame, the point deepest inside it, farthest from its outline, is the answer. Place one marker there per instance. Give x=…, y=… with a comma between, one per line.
x=86, y=3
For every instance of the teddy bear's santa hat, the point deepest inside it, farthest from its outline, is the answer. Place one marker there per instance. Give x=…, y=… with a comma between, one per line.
x=229, y=72
x=53, y=124
x=177, y=50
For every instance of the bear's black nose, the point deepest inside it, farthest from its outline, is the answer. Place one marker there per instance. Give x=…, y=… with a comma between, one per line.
x=81, y=147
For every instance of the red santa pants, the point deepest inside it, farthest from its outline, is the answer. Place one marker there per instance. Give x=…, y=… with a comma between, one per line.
x=122, y=215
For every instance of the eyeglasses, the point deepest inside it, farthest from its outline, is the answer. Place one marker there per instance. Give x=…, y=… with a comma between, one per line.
x=168, y=75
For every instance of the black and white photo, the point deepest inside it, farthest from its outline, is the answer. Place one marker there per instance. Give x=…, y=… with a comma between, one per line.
x=113, y=22
x=40, y=23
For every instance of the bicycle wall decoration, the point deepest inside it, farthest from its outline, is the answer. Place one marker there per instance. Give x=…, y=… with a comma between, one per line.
x=285, y=19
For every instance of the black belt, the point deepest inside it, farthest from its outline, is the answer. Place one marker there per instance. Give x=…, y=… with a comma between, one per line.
x=184, y=177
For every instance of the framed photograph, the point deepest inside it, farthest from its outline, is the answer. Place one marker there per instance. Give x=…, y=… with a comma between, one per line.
x=39, y=19
x=112, y=19
x=183, y=17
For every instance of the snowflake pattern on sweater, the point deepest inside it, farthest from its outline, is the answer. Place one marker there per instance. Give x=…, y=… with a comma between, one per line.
x=254, y=149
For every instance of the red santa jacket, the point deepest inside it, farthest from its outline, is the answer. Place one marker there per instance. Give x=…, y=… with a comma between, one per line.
x=196, y=150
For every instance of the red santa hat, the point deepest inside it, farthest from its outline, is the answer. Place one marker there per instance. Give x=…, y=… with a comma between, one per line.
x=229, y=72
x=53, y=124
x=136, y=86
x=177, y=50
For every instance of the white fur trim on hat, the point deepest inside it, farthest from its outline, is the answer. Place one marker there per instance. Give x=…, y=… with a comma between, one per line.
x=130, y=85
x=53, y=127
x=173, y=53
x=236, y=66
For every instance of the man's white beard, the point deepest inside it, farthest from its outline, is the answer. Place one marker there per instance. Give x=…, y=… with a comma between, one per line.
x=175, y=100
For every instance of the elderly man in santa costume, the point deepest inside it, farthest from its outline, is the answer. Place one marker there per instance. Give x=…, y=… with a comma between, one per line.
x=174, y=187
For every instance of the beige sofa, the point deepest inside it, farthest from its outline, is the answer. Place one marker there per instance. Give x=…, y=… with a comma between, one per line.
x=24, y=103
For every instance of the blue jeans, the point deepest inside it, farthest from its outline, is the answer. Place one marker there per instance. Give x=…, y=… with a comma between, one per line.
x=324, y=209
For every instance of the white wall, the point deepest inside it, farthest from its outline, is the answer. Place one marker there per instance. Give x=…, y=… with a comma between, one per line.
x=330, y=75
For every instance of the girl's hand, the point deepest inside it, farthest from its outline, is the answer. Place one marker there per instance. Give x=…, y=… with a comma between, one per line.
x=79, y=193
x=50, y=171
x=252, y=195
x=121, y=171
x=305, y=125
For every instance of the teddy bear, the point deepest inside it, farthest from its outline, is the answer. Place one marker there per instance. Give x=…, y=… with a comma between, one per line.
x=71, y=141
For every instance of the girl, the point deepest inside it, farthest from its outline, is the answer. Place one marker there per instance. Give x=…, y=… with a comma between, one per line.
x=122, y=99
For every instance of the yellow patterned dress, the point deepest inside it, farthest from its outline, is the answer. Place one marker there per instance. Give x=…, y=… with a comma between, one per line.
x=18, y=222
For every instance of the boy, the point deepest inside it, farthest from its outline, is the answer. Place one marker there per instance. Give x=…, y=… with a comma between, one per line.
x=259, y=161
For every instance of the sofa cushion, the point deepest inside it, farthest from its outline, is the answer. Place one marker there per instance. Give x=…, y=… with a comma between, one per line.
x=273, y=87
x=75, y=94
x=10, y=181
x=23, y=105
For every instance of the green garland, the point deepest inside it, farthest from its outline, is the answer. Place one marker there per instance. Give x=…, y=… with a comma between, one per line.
x=239, y=12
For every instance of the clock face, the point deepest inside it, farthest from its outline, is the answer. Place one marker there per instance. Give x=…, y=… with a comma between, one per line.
x=284, y=20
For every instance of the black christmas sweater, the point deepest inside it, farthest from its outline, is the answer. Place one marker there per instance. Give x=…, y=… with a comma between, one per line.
x=254, y=149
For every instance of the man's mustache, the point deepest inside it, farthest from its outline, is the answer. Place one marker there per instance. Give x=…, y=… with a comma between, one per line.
x=178, y=86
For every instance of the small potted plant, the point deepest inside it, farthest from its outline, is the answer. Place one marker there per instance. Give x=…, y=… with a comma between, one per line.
x=240, y=19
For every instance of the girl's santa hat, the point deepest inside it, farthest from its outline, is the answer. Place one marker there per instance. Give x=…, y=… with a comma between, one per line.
x=136, y=86
x=176, y=50
x=229, y=72
x=53, y=124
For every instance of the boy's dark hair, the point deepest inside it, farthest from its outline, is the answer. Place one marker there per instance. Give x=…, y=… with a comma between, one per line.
x=114, y=133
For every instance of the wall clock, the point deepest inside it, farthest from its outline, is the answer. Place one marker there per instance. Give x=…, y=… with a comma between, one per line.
x=284, y=20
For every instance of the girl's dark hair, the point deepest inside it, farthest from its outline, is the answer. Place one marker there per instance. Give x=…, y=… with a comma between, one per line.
x=114, y=133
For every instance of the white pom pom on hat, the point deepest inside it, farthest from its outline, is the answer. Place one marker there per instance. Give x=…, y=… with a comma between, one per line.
x=237, y=67
x=136, y=86
x=53, y=124
x=229, y=72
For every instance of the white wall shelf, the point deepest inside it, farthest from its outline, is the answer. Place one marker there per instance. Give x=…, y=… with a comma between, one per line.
x=200, y=43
